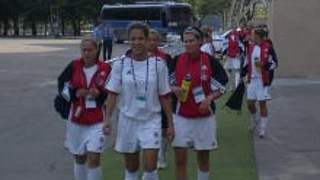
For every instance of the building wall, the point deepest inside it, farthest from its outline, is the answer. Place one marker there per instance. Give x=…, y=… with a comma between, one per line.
x=295, y=30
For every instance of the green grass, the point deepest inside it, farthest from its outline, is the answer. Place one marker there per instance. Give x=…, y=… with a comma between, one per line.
x=234, y=159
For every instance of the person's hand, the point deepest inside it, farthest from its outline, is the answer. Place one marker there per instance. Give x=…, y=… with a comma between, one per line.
x=205, y=106
x=176, y=90
x=94, y=92
x=170, y=133
x=106, y=127
x=81, y=93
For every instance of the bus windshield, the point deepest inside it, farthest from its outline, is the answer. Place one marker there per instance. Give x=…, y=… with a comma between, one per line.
x=164, y=17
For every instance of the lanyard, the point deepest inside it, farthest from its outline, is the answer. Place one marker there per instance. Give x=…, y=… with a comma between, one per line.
x=200, y=68
x=135, y=80
x=189, y=66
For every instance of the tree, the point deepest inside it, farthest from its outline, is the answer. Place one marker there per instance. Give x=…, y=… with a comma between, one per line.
x=205, y=7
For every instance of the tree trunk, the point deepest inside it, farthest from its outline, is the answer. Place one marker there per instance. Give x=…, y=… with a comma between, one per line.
x=6, y=26
x=74, y=27
x=34, y=27
x=16, y=26
x=45, y=28
x=62, y=26
x=79, y=27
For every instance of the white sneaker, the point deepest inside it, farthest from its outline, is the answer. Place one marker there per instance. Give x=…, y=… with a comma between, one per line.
x=262, y=133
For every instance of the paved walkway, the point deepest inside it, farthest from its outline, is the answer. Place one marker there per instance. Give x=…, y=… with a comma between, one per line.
x=291, y=150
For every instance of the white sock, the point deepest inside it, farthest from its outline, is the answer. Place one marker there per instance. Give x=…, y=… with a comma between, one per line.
x=162, y=151
x=202, y=175
x=80, y=172
x=94, y=173
x=264, y=122
x=255, y=117
x=153, y=175
x=237, y=78
x=131, y=175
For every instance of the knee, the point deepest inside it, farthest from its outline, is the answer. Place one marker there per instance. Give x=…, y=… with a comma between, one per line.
x=80, y=159
x=132, y=166
x=251, y=107
x=150, y=167
x=94, y=160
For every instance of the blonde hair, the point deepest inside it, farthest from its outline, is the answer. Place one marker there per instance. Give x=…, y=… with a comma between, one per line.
x=90, y=39
x=156, y=33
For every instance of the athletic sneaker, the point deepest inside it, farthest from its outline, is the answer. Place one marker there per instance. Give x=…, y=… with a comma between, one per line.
x=262, y=133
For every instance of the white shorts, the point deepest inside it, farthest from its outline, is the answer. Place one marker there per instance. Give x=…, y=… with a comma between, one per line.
x=232, y=63
x=256, y=90
x=134, y=135
x=196, y=133
x=81, y=139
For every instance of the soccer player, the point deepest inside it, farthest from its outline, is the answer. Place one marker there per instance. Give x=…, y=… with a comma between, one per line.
x=154, y=50
x=142, y=84
x=197, y=80
x=258, y=81
x=85, y=90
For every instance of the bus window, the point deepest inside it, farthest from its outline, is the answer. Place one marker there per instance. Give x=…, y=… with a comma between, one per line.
x=180, y=15
x=164, y=20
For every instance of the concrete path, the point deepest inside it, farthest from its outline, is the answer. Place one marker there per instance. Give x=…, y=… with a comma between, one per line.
x=291, y=150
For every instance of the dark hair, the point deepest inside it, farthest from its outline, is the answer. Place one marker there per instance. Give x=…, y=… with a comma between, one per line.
x=260, y=32
x=138, y=25
x=207, y=31
x=194, y=30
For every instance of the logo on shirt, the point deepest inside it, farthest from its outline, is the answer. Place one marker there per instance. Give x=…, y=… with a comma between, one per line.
x=129, y=72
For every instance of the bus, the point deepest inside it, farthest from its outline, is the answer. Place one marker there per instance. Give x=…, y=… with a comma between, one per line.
x=166, y=17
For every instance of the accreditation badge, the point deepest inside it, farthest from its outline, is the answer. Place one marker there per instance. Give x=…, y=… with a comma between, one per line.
x=198, y=94
x=141, y=101
x=90, y=102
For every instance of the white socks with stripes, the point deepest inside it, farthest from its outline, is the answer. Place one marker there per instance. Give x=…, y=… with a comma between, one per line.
x=153, y=175
x=131, y=175
x=94, y=173
x=202, y=175
x=80, y=171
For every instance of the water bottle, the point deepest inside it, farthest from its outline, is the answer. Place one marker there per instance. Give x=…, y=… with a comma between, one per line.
x=257, y=64
x=185, y=86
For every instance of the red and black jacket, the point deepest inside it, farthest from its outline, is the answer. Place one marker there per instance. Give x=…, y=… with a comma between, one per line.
x=233, y=49
x=183, y=64
x=75, y=75
x=264, y=57
x=164, y=56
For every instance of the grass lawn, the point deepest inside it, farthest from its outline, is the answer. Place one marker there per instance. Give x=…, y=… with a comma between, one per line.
x=233, y=160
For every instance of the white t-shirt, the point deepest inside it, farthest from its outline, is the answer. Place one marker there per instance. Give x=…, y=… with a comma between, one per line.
x=208, y=48
x=89, y=72
x=255, y=56
x=122, y=82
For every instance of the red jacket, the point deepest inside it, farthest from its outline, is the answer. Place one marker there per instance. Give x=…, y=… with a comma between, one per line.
x=264, y=55
x=233, y=44
x=78, y=80
x=162, y=55
x=184, y=65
